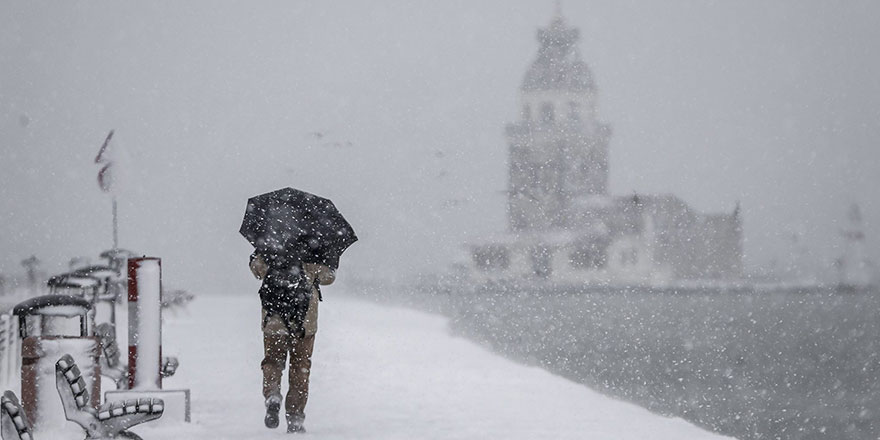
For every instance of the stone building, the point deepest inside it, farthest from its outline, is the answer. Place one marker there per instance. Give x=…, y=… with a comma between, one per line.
x=564, y=227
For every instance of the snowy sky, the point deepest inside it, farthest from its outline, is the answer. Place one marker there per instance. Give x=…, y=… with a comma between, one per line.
x=775, y=104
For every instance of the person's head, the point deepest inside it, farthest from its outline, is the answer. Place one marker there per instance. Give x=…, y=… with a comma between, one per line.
x=317, y=250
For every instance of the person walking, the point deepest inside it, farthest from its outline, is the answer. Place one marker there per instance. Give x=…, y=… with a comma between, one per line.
x=289, y=295
x=298, y=238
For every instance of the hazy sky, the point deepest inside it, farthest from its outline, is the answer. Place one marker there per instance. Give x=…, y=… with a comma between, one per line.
x=775, y=104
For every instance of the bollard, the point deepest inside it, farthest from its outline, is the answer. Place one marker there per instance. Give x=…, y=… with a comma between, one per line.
x=106, y=293
x=145, y=323
x=145, y=363
x=51, y=326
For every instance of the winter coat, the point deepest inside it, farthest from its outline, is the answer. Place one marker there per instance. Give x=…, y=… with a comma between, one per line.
x=318, y=275
x=291, y=290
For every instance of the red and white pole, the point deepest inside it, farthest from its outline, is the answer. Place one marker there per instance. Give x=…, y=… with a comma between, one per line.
x=145, y=323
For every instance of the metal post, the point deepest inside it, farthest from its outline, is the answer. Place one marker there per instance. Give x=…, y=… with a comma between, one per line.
x=115, y=225
x=145, y=323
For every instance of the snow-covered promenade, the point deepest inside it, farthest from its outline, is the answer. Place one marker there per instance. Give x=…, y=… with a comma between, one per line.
x=385, y=373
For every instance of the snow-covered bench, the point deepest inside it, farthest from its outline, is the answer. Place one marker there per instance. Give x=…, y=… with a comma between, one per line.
x=110, y=420
x=13, y=423
x=110, y=358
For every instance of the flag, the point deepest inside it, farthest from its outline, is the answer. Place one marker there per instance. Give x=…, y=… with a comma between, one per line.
x=105, y=175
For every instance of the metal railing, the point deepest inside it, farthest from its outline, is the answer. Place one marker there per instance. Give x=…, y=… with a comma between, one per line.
x=10, y=350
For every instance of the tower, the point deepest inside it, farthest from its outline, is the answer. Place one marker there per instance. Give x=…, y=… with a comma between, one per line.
x=558, y=148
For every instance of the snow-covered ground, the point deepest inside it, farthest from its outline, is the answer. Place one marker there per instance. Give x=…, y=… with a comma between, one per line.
x=385, y=373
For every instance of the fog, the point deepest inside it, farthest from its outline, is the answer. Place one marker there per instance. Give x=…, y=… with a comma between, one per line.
x=395, y=111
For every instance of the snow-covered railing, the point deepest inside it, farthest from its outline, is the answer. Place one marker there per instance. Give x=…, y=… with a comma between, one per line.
x=10, y=349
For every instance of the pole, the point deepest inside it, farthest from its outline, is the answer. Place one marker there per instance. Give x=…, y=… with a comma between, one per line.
x=115, y=226
x=144, y=323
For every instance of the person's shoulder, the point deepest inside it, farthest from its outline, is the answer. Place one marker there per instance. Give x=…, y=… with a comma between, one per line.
x=324, y=274
x=258, y=266
x=314, y=267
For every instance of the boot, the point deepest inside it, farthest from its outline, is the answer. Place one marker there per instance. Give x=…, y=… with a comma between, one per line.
x=295, y=423
x=273, y=405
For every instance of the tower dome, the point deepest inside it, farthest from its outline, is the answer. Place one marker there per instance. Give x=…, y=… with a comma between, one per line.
x=558, y=65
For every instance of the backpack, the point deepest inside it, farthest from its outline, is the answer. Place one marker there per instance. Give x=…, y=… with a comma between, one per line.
x=286, y=293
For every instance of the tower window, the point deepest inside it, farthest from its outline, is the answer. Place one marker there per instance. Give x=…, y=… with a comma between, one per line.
x=542, y=263
x=489, y=258
x=547, y=112
x=588, y=255
x=527, y=112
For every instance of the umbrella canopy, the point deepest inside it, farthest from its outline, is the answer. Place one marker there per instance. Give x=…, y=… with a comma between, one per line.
x=298, y=225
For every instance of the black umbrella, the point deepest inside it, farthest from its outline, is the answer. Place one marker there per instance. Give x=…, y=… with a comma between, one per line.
x=298, y=225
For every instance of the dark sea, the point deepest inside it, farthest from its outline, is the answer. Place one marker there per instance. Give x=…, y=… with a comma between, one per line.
x=769, y=364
